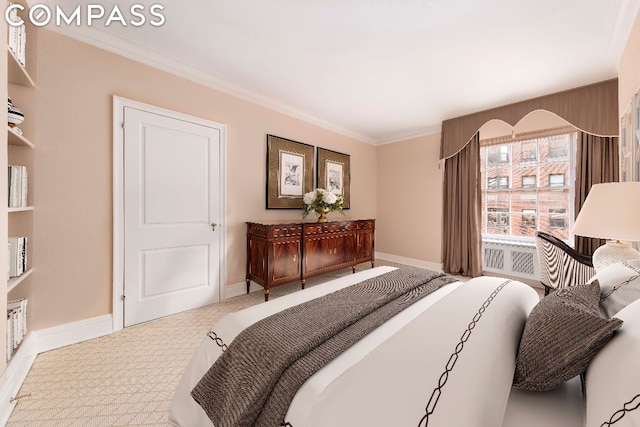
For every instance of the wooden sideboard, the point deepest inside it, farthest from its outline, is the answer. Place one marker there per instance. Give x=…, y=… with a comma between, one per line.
x=280, y=252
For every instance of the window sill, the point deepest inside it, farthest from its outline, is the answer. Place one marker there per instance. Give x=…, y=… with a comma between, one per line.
x=510, y=242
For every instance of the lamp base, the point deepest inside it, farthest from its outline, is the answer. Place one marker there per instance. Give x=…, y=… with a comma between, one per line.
x=613, y=252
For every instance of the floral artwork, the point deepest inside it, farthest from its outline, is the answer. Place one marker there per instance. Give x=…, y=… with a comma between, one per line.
x=334, y=174
x=321, y=202
x=289, y=172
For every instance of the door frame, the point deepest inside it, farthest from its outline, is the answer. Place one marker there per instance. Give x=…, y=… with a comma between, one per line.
x=119, y=104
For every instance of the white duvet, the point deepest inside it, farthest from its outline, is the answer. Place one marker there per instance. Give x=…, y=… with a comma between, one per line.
x=447, y=360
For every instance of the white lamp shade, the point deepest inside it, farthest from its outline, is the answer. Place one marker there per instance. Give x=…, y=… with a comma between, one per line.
x=611, y=211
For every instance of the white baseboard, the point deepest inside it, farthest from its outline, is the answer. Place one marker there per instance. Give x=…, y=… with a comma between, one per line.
x=37, y=342
x=15, y=374
x=238, y=289
x=73, y=333
x=409, y=261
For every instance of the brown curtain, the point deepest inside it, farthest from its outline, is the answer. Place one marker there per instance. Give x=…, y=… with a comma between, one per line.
x=592, y=108
x=596, y=162
x=462, y=239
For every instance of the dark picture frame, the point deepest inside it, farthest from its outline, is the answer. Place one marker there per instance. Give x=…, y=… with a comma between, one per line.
x=334, y=173
x=289, y=172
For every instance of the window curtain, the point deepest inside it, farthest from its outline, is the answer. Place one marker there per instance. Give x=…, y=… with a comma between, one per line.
x=462, y=238
x=597, y=162
x=592, y=109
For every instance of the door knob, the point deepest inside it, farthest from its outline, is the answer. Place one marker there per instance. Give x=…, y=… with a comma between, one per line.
x=213, y=226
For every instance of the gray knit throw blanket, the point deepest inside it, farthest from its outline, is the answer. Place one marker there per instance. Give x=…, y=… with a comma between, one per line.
x=254, y=381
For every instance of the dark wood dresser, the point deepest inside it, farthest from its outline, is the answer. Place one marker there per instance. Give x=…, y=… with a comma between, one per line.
x=280, y=252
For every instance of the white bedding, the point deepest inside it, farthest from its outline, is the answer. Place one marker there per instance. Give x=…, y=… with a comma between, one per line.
x=389, y=376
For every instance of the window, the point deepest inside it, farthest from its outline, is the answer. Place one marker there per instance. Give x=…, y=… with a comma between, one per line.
x=558, y=148
x=498, y=182
x=557, y=218
x=525, y=190
x=528, y=181
x=529, y=218
x=498, y=154
x=556, y=180
x=528, y=152
x=498, y=217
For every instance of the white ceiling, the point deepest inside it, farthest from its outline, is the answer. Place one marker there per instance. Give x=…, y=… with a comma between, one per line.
x=377, y=70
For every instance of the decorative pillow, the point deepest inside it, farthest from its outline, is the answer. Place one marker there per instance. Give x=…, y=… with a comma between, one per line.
x=619, y=286
x=563, y=333
x=613, y=378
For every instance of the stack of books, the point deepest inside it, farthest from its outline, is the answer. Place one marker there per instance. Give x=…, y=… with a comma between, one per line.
x=17, y=190
x=17, y=38
x=17, y=256
x=16, y=324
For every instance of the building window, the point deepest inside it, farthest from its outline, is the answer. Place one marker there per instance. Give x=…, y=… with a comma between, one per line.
x=556, y=180
x=522, y=193
x=528, y=152
x=498, y=217
x=557, y=218
x=498, y=182
x=498, y=154
x=528, y=181
x=529, y=218
x=558, y=148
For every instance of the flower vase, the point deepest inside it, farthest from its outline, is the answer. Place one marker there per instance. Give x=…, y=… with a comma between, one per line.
x=323, y=215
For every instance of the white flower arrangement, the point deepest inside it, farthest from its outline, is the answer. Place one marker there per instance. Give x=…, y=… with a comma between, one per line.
x=321, y=201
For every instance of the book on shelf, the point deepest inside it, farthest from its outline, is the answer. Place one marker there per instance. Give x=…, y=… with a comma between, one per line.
x=9, y=335
x=17, y=186
x=16, y=324
x=17, y=256
x=17, y=38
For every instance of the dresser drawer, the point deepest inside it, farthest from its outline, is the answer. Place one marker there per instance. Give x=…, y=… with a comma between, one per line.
x=285, y=231
x=329, y=228
x=269, y=231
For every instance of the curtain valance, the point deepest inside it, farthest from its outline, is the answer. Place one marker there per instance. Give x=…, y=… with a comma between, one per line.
x=593, y=109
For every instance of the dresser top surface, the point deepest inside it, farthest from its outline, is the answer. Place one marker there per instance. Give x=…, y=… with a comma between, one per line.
x=308, y=221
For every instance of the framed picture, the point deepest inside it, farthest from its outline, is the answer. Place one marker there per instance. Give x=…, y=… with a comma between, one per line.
x=334, y=173
x=289, y=172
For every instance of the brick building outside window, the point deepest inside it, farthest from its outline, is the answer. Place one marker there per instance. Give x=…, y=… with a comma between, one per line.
x=527, y=185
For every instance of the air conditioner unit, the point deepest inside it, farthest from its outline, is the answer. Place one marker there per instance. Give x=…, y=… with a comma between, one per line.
x=511, y=259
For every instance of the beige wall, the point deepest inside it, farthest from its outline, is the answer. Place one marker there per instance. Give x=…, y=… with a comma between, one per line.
x=410, y=189
x=73, y=179
x=629, y=71
x=409, y=220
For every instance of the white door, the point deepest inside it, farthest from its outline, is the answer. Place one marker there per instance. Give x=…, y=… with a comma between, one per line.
x=171, y=208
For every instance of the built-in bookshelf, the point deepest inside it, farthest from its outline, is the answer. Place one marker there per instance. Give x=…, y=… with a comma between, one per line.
x=19, y=207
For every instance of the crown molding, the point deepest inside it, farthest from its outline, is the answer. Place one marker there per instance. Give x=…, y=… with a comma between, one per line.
x=429, y=130
x=627, y=14
x=127, y=49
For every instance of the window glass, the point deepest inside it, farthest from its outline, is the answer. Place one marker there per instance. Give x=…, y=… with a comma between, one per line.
x=528, y=151
x=557, y=218
x=498, y=153
x=558, y=148
x=498, y=182
x=528, y=181
x=527, y=186
x=529, y=218
x=556, y=180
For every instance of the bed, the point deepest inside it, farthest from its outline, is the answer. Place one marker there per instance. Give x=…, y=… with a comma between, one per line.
x=446, y=360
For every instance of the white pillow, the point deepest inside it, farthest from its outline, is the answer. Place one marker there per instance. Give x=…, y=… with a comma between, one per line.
x=619, y=286
x=613, y=376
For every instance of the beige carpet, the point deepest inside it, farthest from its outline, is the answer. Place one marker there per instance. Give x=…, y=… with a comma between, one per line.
x=127, y=378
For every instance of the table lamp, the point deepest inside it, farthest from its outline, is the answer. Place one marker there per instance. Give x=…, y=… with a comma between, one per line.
x=611, y=211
